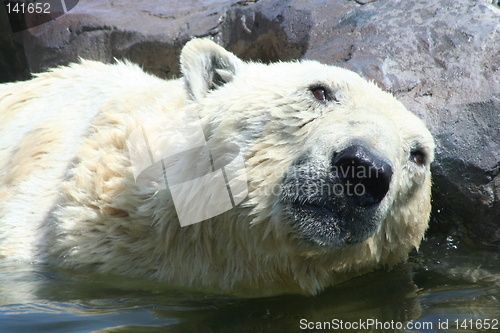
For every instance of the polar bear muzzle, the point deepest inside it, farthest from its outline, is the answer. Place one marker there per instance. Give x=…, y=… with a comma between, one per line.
x=337, y=203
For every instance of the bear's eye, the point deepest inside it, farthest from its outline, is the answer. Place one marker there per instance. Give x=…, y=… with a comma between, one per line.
x=323, y=94
x=320, y=93
x=417, y=156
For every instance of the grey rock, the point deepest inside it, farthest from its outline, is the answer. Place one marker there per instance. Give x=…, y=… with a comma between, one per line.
x=441, y=58
x=152, y=33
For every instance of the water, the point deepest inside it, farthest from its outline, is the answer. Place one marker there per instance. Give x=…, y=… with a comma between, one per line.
x=445, y=283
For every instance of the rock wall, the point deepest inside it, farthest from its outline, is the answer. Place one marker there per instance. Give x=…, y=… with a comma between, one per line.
x=440, y=57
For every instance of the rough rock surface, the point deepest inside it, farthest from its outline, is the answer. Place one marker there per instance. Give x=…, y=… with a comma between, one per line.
x=152, y=33
x=440, y=57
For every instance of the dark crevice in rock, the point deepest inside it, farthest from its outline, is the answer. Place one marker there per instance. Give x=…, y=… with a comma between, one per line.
x=252, y=34
x=13, y=63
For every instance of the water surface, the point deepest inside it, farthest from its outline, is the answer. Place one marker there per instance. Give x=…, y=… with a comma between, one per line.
x=446, y=282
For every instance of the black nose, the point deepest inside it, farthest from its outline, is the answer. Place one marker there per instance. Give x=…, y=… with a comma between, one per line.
x=364, y=175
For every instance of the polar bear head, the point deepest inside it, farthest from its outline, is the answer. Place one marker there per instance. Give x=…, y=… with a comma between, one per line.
x=331, y=158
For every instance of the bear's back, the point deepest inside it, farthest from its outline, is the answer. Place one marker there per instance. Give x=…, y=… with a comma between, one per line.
x=44, y=121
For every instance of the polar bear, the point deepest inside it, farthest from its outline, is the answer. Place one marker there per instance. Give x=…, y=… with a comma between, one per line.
x=337, y=174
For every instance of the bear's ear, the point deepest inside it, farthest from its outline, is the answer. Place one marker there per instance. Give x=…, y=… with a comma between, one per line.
x=206, y=66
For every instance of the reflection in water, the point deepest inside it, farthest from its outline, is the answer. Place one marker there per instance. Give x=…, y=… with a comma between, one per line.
x=443, y=282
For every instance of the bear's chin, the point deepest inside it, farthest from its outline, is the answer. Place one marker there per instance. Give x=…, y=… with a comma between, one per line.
x=320, y=224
